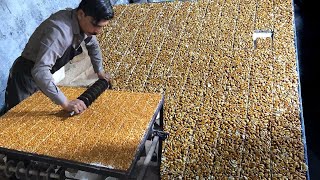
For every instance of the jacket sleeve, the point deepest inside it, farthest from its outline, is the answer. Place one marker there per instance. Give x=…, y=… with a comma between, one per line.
x=94, y=52
x=52, y=46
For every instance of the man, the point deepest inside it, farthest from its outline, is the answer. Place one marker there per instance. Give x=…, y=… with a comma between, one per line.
x=53, y=44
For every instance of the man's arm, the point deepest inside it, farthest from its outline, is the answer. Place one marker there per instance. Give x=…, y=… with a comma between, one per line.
x=95, y=54
x=52, y=47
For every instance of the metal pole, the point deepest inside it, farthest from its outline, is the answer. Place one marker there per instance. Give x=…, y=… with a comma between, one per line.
x=160, y=142
x=148, y=158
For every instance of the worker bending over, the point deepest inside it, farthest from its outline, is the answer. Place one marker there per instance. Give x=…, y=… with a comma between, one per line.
x=53, y=44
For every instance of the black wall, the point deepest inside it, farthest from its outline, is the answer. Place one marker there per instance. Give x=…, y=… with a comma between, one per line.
x=307, y=16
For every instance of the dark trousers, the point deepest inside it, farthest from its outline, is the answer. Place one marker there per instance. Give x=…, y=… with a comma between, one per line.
x=20, y=83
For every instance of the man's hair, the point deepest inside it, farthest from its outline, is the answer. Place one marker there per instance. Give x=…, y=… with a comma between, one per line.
x=98, y=9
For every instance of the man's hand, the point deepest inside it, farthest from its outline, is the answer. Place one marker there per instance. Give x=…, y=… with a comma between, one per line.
x=76, y=105
x=104, y=75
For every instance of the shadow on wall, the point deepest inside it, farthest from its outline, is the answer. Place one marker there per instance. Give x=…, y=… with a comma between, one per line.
x=19, y=19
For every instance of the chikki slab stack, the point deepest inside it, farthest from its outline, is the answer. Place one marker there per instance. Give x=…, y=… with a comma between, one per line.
x=107, y=133
x=232, y=110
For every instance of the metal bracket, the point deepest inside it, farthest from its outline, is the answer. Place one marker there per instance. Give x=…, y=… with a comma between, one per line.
x=162, y=135
x=261, y=34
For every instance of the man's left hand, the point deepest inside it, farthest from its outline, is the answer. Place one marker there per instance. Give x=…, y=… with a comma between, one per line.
x=105, y=75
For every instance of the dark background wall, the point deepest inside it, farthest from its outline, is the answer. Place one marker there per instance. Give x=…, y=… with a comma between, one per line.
x=308, y=38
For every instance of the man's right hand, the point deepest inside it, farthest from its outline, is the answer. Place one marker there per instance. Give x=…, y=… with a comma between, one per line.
x=76, y=105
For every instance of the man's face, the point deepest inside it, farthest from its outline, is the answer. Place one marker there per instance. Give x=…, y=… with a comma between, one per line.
x=88, y=25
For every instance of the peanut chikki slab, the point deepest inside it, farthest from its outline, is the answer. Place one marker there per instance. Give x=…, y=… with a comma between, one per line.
x=232, y=111
x=107, y=133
